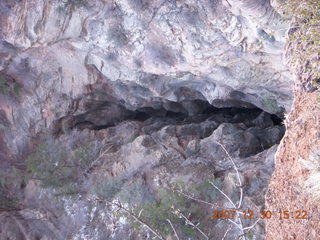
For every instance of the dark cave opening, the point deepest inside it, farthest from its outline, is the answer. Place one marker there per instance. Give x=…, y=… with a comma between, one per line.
x=199, y=111
x=102, y=115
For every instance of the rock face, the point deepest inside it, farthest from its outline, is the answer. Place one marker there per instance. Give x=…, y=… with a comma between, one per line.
x=132, y=162
x=135, y=53
x=100, y=99
x=294, y=186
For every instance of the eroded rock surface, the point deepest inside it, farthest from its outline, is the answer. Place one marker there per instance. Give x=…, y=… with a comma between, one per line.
x=124, y=162
x=294, y=186
x=57, y=51
x=138, y=95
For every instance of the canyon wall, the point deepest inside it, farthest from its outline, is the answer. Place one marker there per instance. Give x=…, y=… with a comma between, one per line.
x=118, y=100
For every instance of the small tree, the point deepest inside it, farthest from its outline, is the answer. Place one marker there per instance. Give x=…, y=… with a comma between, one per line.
x=58, y=167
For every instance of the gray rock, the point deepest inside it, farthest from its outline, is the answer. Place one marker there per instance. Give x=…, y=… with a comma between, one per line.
x=83, y=66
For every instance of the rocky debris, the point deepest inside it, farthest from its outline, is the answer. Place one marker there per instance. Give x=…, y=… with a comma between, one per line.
x=177, y=76
x=111, y=162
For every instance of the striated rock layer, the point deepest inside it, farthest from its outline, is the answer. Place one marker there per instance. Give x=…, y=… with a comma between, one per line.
x=123, y=100
x=137, y=52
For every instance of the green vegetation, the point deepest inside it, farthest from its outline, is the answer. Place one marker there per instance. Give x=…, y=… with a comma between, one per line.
x=304, y=37
x=75, y=3
x=168, y=207
x=250, y=235
x=203, y=191
x=170, y=204
x=8, y=87
x=132, y=193
x=6, y=203
x=16, y=89
x=156, y=207
x=58, y=167
x=109, y=188
x=3, y=85
x=135, y=193
x=47, y=165
x=67, y=6
x=8, y=178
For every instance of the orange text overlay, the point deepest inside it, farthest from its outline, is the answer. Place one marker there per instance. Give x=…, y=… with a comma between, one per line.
x=264, y=214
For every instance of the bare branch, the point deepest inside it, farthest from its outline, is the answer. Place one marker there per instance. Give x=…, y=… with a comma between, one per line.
x=252, y=226
x=236, y=224
x=225, y=234
x=192, y=198
x=225, y=195
x=228, y=3
x=131, y=214
x=92, y=165
x=188, y=222
x=174, y=230
x=238, y=174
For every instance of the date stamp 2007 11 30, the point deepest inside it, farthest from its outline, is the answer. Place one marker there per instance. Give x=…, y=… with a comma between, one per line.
x=264, y=214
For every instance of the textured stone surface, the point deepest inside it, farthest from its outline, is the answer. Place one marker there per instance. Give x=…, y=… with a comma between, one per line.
x=162, y=157
x=294, y=186
x=65, y=64
x=136, y=52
